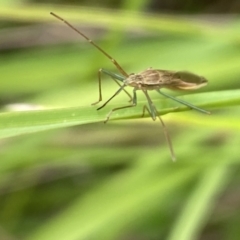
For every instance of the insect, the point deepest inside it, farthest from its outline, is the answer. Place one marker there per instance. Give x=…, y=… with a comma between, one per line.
x=150, y=79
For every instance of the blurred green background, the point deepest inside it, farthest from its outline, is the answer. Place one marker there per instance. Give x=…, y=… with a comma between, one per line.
x=64, y=175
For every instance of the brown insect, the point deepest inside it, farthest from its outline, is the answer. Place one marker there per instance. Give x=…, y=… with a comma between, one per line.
x=150, y=79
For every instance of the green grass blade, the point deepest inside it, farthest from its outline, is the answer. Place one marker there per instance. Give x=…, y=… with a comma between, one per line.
x=15, y=123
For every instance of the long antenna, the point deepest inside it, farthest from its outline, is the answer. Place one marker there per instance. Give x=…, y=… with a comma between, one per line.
x=94, y=44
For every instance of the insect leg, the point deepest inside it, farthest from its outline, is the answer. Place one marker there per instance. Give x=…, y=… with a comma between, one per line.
x=154, y=110
x=168, y=138
x=115, y=94
x=129, y=95
x=114, y=77
x=151, y=110
x=99, y=87
x=134, y=103
x=183, y=102
x=145, y=108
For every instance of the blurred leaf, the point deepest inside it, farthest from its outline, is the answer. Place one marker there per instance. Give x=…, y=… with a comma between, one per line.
x=200, y=203
x=116, y=181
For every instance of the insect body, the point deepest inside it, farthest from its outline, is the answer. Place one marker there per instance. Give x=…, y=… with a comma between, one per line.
x=150, y=79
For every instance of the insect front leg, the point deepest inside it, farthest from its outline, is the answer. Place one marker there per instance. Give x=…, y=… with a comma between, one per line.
x=129, y=95
x=134, y=103
x=99, y=87
x=114, y=77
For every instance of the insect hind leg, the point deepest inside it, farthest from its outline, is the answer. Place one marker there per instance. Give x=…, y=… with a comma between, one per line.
x=184, y=103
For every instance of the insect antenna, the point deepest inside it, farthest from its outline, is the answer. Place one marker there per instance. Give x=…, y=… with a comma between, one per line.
x=94, y=44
